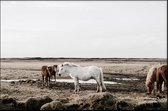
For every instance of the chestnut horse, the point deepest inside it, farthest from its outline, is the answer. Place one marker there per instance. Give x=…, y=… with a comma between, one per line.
x=150, y=79
x=48, y=72
x=53, y=71
x=156, y=73
x=161, y=75
x=45, y=73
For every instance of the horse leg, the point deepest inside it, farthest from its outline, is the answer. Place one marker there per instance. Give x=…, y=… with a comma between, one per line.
x=157, y=82
x=76, y=83
x=55, y=77
x=49, y=80
x=151, y=89
x=78, y=88
x=42, y=80
x=46, y=80
x=160, y=87
x=165, y=79
x=100, y=87
x=99, y=84
x=160, y=82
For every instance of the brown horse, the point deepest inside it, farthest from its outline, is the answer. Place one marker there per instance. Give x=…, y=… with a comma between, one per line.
x=53, y=71
x=156, y=73
x=150, y=79
x=45, y=73
x=161, y=75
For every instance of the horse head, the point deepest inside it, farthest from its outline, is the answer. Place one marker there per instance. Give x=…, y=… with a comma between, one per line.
x=60, y=69
x=55, y=67
x=64, y=67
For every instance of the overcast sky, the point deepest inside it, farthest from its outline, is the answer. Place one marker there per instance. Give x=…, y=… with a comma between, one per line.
x=84, y=29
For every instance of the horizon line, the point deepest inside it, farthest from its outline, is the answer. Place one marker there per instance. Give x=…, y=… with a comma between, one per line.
x=36, y=57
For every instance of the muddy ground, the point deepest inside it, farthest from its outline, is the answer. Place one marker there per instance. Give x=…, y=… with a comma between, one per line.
x=29, y=69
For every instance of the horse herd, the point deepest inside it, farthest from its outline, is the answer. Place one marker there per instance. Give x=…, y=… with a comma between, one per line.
x=156, y=74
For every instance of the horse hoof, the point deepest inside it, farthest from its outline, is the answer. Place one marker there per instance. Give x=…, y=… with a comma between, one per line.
x=104, y=90
x=75, y=91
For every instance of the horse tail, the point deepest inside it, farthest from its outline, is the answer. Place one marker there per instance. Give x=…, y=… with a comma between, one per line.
x=102, y=80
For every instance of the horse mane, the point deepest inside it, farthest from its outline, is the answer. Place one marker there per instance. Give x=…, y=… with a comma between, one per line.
x=70, y=64
x=151, y=70
x=152, y=73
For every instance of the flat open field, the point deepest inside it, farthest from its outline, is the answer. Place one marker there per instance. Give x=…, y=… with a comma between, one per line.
x=127, y=77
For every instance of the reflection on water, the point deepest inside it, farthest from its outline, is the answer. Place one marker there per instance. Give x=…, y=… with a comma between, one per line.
x=16, y=80
x=131, y=79
x=64, y=80
x=80, y=81
x=89, y=81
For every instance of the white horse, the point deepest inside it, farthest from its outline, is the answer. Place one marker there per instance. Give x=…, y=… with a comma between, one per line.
x=83, y=73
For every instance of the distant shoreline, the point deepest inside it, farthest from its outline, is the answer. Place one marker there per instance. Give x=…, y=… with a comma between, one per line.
x=90, y=59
